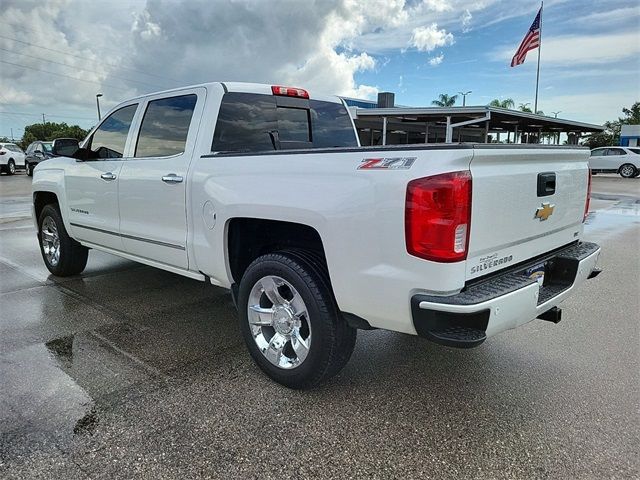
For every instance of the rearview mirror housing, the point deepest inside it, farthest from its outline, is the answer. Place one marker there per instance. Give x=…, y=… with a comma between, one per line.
x=65, y=147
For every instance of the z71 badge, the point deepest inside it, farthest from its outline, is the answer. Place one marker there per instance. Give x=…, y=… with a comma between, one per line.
x=395, y=163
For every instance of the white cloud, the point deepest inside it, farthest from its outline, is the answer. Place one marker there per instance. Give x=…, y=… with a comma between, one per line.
x=427, y=39
x=466, y=20
x=437, y=60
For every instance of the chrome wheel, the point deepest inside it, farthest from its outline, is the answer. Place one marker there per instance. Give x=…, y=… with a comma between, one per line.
x=279, y=322
x=627, y=171
x=50, y=241
x=12, y=167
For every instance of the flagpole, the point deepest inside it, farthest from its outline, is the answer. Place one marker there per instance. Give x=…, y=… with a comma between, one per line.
x=535, y=103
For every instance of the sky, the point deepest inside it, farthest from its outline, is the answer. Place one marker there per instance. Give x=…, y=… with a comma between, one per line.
x=56, y=55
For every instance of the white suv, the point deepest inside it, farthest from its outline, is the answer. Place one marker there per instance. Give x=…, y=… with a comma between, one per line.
x=622, y=160
x=11, y=157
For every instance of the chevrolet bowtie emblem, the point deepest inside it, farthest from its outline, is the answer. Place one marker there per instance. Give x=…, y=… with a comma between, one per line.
x=545, y=211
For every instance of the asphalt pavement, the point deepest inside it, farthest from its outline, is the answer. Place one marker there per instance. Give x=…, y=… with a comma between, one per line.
x=127, y=371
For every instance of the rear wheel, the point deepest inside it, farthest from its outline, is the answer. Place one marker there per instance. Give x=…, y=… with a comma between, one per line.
x=62, y=255
x=11, y=167
x=29, y=169
x=628, y=171
x=290, y=321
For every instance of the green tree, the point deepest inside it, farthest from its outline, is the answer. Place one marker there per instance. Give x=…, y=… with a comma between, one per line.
x=445, y=100
x=611, y=134
x=50, y=131
x=5, y=140
x=506, y=103
x=524, y=107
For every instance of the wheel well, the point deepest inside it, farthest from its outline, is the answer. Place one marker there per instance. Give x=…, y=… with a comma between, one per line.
x=40, y=199
x=249, y=238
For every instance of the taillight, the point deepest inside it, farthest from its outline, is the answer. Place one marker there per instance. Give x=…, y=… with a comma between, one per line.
x=588, y=201
x=438, y=216
x=289, y=91
x=2, y=153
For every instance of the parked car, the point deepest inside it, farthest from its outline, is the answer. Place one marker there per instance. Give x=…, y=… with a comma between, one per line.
x=11, y=158
x=622, y=160
x=36, y=153
x=265, y=190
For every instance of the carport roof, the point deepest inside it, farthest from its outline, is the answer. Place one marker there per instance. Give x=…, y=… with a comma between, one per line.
x=501, y=118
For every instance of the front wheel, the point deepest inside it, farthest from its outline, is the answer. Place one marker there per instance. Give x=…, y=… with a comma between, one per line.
x=627, y=171
x=62, y=255
x=29, y=169
x=290, y=321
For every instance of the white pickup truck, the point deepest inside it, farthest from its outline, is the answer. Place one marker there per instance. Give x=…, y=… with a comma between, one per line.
x=266, y=191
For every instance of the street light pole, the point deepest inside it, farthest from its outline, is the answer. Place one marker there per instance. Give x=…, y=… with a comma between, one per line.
x=464, y=97
x=98, y=95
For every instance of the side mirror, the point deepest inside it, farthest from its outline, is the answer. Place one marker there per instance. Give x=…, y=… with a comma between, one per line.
x=65, y=147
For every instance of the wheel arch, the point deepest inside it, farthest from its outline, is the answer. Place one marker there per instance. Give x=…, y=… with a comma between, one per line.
x=248, y=238
x=41, y=198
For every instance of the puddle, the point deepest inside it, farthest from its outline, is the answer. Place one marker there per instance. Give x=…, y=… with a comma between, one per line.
x=616, y=218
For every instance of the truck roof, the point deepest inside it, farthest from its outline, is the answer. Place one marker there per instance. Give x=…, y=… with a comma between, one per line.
x=244, y=87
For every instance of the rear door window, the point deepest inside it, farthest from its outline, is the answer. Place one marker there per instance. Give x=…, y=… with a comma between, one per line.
x=165, y=126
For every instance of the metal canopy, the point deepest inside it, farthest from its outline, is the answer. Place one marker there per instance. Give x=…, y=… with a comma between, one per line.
x=495, y=119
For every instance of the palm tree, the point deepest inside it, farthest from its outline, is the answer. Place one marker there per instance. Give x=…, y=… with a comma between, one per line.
x=524, y=107
x=506, y=103
x=445, y=100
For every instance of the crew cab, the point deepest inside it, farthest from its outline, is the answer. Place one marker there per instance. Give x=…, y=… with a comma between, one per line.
x=265, y=190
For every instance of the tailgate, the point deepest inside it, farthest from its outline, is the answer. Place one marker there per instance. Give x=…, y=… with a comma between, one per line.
x=526, y=201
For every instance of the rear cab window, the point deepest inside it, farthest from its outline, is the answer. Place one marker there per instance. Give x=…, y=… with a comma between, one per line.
x=249, y=122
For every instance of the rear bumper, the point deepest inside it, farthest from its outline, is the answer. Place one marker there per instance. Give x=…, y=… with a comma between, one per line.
x=502, y=301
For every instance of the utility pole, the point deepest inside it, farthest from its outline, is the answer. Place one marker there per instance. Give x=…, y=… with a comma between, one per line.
x=12, y=134
x=464, y=97
x=43, y=119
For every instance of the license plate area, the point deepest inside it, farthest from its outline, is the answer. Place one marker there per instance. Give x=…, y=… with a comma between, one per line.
x=537, y=272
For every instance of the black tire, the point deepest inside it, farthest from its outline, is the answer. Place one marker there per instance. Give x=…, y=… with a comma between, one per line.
x=72, y=256
x=11, y=167
x=29, y=169
x=332, y=340
x=628, y=171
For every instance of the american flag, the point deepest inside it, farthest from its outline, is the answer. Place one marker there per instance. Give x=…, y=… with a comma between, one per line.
x=531, y=41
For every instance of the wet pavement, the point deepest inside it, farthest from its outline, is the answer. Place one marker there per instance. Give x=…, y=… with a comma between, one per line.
x=127, y=371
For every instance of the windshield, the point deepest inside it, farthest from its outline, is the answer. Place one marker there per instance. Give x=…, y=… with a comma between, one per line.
x=47, y=147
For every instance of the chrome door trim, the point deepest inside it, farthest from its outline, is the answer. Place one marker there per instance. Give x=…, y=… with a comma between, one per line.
x=131, y=237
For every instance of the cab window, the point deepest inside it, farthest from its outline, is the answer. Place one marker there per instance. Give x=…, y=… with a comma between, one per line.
x=109, y=140
x=165, y=126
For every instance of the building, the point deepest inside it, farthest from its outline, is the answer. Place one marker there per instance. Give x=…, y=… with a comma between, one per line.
x=383, y=123
x=630, y=136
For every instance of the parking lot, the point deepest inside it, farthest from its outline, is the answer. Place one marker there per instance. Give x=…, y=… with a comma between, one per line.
x=131, y=371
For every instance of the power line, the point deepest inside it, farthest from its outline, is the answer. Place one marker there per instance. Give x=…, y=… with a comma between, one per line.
x=89, y=60
x=48, y=115
x=80, y=68
x=62, y=75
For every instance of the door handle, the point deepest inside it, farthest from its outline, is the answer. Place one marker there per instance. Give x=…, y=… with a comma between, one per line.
x=172, y=178
x=546, y=184
x=108, y=176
